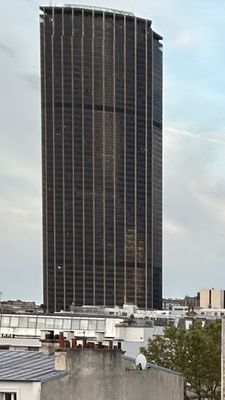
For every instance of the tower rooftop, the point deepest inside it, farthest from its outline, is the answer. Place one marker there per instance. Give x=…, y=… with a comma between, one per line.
x=93, y=8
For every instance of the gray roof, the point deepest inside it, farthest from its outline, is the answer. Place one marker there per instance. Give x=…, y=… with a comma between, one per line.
x=152, y=366
x=27, y=366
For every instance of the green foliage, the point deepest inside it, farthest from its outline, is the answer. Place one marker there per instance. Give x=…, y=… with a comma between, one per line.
x=196, y=353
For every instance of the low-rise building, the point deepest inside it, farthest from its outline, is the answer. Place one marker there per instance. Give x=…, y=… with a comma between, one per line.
x=187, y=301
x=22, y=374
x=19, y=306
x=24, y=331
x=88, y=372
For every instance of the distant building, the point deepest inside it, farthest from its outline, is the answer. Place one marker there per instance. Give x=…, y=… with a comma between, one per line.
x=25, y=331
x=101, y=74
x=84, y=374
x=19, y=306
x=187, y=301
x=212, y=298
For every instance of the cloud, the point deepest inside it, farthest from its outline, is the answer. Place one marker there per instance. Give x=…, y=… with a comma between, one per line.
x=183, y=39
x=194, y=153
x=194, y=214
x=173, y=229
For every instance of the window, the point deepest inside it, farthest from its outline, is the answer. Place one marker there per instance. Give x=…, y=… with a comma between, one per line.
x=32, y=322
x=5, y=323
x=75, y=323
x=92, y=324
x=14, y=322
x=58, y=323
x=23, y=322
x=41, y=323
x=50, y=323
x=84, y=324
x=66, y=323
x=8, y=396
x=100, y=325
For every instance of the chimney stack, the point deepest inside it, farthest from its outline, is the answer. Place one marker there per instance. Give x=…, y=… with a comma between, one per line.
x=61, y=361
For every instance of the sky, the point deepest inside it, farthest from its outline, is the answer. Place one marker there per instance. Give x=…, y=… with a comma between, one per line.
x=194, y=144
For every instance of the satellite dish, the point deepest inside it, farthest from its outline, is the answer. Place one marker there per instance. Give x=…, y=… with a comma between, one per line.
x=141, y=361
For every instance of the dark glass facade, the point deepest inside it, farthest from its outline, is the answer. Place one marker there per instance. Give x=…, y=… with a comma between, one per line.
x=101, y=77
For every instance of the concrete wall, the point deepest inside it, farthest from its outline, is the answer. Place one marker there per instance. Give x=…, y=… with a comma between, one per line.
x=217, y=298
x=138, y=337
x=204, y=298
x=24, y=390
x=19, y=343
x=132, y=334
x=95, y=374
x=213, y=298
x=153, y=384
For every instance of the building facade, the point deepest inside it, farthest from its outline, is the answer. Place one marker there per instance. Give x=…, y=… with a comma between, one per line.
x=84, y=373
x=212, y=298
x=101, y=77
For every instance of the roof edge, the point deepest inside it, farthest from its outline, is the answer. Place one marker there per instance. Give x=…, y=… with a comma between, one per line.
x=90, y=8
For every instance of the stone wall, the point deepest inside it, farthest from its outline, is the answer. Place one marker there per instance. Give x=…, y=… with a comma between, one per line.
x=103, y=374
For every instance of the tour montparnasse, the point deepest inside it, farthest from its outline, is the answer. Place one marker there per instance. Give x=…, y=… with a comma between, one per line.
x=101, y=77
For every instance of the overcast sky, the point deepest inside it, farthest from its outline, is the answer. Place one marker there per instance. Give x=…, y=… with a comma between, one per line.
x=194, y=143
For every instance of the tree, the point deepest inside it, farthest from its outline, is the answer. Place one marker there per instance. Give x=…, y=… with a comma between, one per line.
x=196, y=353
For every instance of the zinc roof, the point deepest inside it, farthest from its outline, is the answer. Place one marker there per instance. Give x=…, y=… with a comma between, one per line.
x=27, y=366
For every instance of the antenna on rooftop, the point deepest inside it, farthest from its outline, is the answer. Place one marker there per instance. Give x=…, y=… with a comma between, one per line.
x=141, y=361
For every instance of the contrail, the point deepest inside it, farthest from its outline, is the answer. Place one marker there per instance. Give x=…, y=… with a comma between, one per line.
x=196, y=136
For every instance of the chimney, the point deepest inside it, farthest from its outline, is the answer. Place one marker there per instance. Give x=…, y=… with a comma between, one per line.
x=49, y=343
x=48, y=347
x=61, y=361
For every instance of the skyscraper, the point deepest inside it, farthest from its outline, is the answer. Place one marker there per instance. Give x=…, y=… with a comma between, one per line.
x=101, y=80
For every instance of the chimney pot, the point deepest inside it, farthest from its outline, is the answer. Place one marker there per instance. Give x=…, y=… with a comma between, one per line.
x=61, y=340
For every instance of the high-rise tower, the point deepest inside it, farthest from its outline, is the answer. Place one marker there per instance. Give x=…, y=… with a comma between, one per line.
x=101, y=79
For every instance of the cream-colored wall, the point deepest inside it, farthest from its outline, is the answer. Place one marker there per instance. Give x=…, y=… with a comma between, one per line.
x=131, y=334
x=217, y=298
x=204, y=298
x=24, y=390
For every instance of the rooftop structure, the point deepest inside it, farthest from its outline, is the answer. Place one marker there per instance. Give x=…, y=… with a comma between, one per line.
x=19, y=306
x=94, y=8
x=24, y=331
